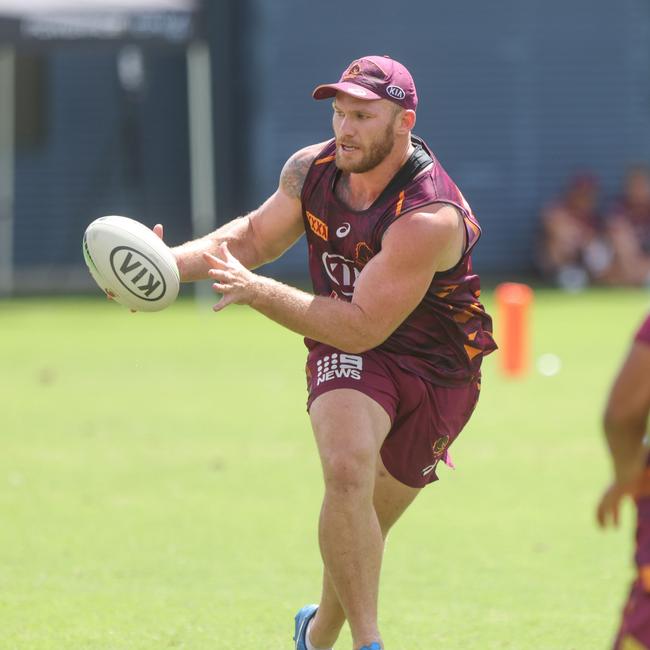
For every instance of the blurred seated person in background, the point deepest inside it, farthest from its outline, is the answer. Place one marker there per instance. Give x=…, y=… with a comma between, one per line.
x=628, y=231
x=573, y=253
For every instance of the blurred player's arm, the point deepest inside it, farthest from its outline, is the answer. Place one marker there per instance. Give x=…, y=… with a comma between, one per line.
x=388, y=289
x=260, y=236
x=625, y=423
x=626, y=415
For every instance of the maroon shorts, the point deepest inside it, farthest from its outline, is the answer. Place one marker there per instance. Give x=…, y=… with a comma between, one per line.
x=634, y=633
x=425, y=418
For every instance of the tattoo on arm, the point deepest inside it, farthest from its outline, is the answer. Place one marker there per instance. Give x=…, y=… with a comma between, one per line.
x=295, y=171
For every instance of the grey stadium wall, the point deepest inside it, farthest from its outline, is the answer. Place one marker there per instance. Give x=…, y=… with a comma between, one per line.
x=514, y=97
x=100, y=153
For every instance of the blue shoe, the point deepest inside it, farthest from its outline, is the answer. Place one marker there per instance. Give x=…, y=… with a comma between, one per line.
x=302, y=621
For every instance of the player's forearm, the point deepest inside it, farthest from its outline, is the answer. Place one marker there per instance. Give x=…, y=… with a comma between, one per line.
x=625, y=441
x=239, y=236
x=338, y=323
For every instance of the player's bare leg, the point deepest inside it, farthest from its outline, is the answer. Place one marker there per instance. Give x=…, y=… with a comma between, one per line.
x=350, y=428
x=391, y=498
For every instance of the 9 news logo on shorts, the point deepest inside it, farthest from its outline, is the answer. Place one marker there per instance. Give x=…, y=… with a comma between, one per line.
x=335, y=366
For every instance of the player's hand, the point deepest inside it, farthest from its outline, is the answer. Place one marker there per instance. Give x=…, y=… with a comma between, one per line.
x=609, y=505
x=233, y=280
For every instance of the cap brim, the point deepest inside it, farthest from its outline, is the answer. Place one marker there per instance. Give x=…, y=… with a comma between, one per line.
x=330, y=90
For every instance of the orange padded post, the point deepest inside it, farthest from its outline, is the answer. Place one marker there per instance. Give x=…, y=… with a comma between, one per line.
x=514, y=301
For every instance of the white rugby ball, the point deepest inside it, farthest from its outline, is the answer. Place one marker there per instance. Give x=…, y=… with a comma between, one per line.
x=131, y=264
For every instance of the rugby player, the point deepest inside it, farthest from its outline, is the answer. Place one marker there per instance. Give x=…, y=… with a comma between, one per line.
x=625, y=424
x=395, y=330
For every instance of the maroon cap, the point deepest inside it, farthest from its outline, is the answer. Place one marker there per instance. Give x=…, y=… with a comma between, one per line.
x=374, y=77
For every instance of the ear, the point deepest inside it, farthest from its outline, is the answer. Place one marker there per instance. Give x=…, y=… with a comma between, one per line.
x=406, y=121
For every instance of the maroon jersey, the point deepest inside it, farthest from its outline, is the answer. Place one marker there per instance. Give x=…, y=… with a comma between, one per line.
x=643, y=335
x=445, y=337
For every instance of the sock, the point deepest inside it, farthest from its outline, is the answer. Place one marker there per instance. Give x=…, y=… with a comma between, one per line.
x=309, y=643
x=372, y=646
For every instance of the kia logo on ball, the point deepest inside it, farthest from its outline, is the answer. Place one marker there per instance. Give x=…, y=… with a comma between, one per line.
x=137, y=273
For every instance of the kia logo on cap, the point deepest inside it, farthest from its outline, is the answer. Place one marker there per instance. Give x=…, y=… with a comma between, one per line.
x=396, y=92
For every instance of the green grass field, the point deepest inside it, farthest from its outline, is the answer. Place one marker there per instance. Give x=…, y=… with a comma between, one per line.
x=159, y=488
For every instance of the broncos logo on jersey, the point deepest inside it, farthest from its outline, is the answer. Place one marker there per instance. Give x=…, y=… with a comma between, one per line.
x=342, y=272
